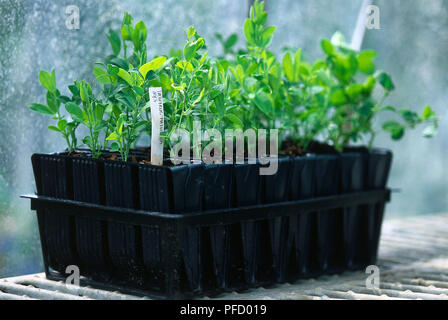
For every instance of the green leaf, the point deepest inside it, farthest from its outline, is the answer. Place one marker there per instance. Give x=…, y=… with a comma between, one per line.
x=216, y=90
x=84, y=91
x=74, y=90
x=250, y=70
x=397, y=134
x=231, y=41
x=87, y=141
x=200, y=42
x=410, y=117
x=139, y=91
x=327, y=47
x=99, y=111
x=220, y=105
x=369, y=85
x=127, y=19
x=119, y=63
x=199, y=98
x=238, y=73
x=338, y=98
x=189, y=50
x=120, y=124
x=115, y=42
x=124, y=34
x=288, y=67
x=114, y=146
x=351, y=65
x=250, y=83
x=153, y=65
x=319, y=64
x=204, y=56
x=390, y=125
x=127, y=100
x=395, y=128
x=191, y=31
x=64, y=99
x=264, y=103
x=62, y=124
x=365, y=63
x=123, y=74
x=40, y=108
x=102, y=76
x=235, y=120
x=54, y=128
x=112, y=136
x=386, y=81
x=166, y=82
x=48, y=80
x=304, y=71
x=140, y=124
x=218, y=36
x=142, y=32
x=53, y=102
x=267, y=36
x=74, y=111
x=249, y=31
x=324, y=76
x=428, y=113
x=234, y=93
x=297, y=58
x=354, y=91
x=388, y=108
x=184, y=64
x=112, y=69
x=274, y=83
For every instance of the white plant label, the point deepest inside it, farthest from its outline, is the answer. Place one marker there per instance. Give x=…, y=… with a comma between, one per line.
x=156, y=104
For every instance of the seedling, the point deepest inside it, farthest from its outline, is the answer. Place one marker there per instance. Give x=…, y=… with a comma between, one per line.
x=353, y=78
x=54, y=99
x=333, y=100
x=126, y=80
x=90, y=115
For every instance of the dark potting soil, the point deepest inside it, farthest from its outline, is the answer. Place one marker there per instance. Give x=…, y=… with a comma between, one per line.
x=294, y=149
x=116, y=157
x=77, y=154
x=289, y=147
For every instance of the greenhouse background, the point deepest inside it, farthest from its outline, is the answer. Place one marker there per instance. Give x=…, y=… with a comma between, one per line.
x=412, y=43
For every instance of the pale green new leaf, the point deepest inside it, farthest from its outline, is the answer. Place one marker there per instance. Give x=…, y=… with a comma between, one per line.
x=112, y=136
x=102, y=76
x=288, y=67
x=48, y=80
x=123, y=74
x=74, y=111
x=152, y=65
x=264, y=103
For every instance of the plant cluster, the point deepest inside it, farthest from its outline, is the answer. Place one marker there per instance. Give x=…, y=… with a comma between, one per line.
x=333, y=100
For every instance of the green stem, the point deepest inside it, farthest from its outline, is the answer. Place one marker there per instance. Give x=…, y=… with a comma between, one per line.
x=372, y=137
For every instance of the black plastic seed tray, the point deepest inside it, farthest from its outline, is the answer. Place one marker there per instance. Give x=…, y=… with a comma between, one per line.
x=222, y=227
x=162, y=267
